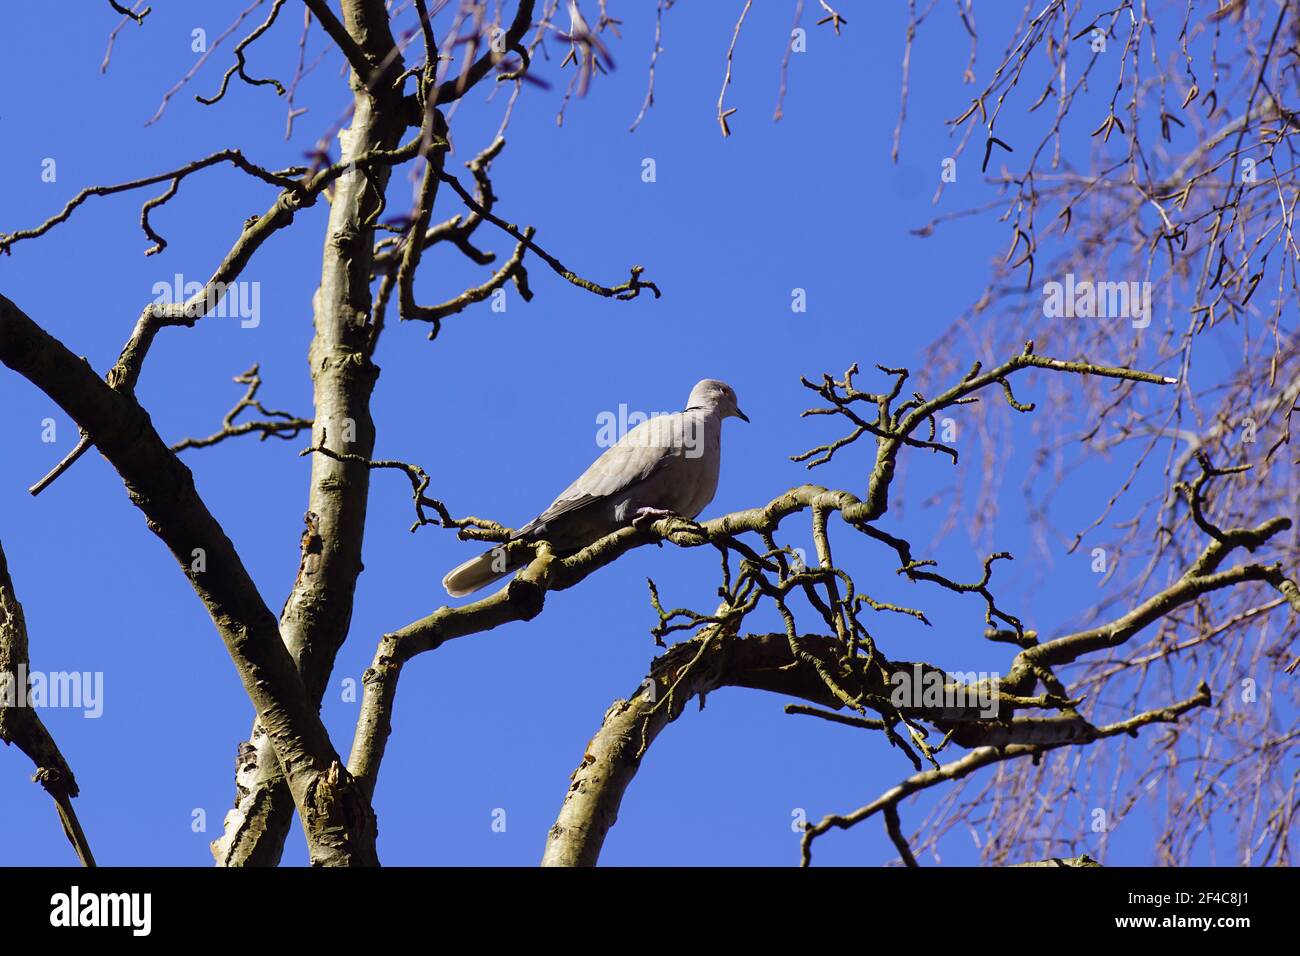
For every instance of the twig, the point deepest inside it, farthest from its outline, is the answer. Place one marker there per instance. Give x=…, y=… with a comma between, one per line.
x=726, y=79
x=129, y=13
x=627, y=290
x=240, y=63
x=277, y=424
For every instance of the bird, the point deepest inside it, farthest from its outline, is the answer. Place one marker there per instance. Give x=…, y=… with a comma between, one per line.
x=666, y=466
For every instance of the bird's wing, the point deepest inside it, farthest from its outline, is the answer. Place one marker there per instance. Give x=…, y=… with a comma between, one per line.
x=635, y=460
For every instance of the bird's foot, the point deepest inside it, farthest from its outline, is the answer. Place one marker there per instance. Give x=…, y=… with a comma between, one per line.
x=648, y=516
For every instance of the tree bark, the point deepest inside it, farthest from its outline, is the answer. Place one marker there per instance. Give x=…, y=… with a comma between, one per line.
x=687, y=670
x=338, y=823
x=22, y=726
x=318, y=611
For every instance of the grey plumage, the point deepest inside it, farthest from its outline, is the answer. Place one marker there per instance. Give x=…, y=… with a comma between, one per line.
x=669, y=463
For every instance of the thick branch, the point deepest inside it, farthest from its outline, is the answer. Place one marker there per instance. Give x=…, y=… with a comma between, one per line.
x=318, y=611
x=20, y=724
x=690, y=669
x=356, y=57
x=454, y=89
x=339, y=827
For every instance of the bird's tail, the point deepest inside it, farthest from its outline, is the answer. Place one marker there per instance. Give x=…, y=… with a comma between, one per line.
x=478, y=573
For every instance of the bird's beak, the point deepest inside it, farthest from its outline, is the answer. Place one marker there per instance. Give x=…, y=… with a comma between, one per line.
x=742, y=416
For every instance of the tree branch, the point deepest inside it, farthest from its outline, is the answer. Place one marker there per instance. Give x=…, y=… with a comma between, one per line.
x=20, y=724
x=688, y=670
x=978, y=759
x=339, y=826
x=277, y=424
x=450, y=90
x=318, y=611
x=352, y=51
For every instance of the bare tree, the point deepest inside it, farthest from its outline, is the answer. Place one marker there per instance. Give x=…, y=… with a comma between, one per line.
x=1217, y=549
x=1154, y=149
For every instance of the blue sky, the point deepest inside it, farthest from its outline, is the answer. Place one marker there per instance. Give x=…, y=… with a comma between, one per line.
x=501, y=411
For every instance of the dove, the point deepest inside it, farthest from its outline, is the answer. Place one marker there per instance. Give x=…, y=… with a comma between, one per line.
x=667, y=465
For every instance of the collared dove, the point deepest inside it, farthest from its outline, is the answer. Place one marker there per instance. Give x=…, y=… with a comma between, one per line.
x=665, y=465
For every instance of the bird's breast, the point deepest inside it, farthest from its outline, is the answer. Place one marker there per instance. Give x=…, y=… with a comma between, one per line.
x=696, y=478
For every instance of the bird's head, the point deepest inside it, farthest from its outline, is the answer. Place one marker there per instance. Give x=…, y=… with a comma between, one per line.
x=716, y=396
